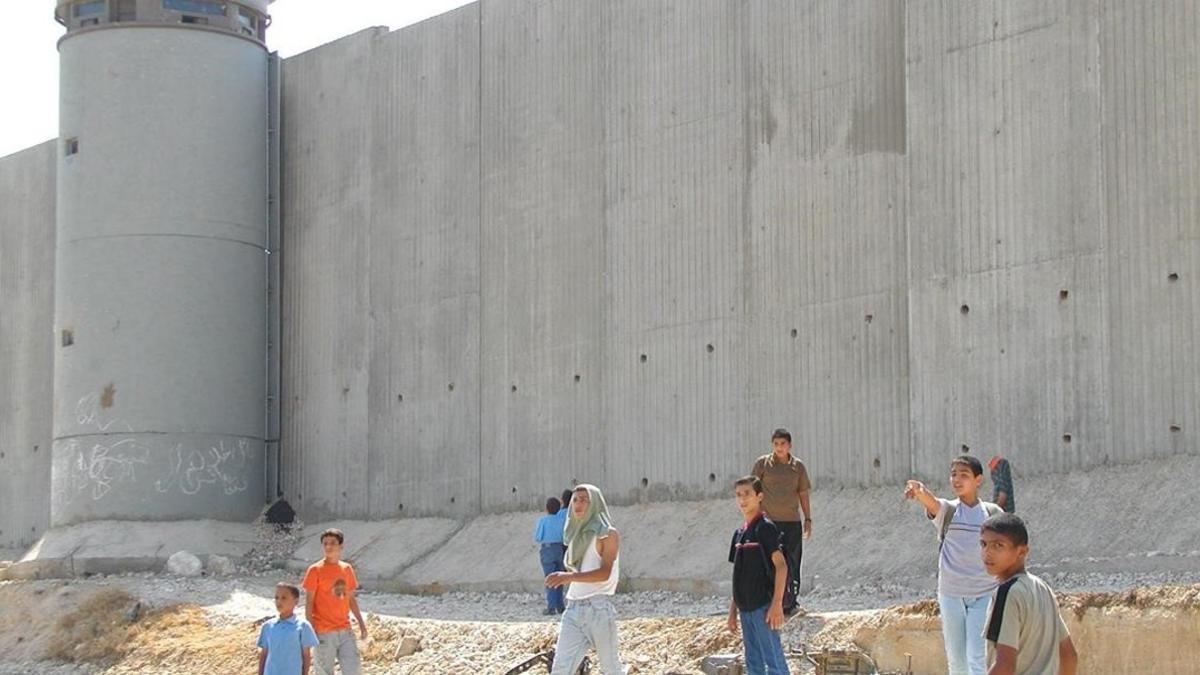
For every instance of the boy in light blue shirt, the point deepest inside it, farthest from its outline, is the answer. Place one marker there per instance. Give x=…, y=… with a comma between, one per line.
x=285, y=643
x=964, y=586
x=549, y=533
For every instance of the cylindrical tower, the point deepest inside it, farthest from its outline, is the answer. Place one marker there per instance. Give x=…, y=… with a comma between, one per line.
x=160, y=284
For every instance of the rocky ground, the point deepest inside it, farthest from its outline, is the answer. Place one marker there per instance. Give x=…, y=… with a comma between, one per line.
x=156, y=623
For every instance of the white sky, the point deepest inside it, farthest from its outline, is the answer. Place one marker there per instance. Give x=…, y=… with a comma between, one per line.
x=29, y=58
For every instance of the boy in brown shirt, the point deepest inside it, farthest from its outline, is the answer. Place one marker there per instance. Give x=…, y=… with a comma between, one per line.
x=785, y=495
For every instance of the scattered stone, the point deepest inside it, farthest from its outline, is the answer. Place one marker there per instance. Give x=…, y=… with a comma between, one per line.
x=219, y=565
x=184, y=564
x=409, y=645
x=722, y=664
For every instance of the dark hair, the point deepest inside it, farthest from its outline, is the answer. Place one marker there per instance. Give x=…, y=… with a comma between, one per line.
x=752, y=481
x=334, y=532
x=1009, y=526
x=971, y=462
x=566, y=497
x=553, y=505
x=781, y=433
x=292, y=588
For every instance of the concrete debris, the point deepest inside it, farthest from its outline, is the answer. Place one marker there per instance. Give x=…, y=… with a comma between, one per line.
x=409, y=645
x=722, y=664
x=219, y=565
x=184, y=564
x=274, y=545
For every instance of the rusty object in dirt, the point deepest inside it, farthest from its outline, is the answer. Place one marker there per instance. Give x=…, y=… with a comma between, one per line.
x=546, y=658
x=840, y=662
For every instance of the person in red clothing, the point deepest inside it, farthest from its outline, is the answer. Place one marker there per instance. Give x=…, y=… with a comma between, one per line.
x=329, y=587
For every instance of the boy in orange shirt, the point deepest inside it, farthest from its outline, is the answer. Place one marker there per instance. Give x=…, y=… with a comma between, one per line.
x=329, y=599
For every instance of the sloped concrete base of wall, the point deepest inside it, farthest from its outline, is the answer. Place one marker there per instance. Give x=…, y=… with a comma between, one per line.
x=117, y=547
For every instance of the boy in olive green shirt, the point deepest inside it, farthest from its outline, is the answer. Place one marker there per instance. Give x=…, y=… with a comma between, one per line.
x=1024, y=627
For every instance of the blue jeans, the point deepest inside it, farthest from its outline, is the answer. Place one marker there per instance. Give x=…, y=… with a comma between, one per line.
x=962, y=631
x=764, y=651
x=552, y=561
x=591, y=622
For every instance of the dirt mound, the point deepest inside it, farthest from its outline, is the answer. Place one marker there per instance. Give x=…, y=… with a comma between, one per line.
x=1158, y=597
x=650, y=645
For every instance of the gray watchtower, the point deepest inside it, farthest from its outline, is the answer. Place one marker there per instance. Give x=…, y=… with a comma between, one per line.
x=160, y=362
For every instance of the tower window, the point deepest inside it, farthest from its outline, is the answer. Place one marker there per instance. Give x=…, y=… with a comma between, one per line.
x=196, y=7
x=91, y=8
x=71, y=147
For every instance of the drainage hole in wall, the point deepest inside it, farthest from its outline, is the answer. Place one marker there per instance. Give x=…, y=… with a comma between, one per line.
x=1173, y=276
x=965, y=309
x=709, y=348
x=450, y=386
x=869, y=318
x=514, y=489
x=1066, y=438
x=966, y=448
x=343, y=494
x=452, y=500
x=577, y=378
x=399, y=507
x=642, y=358
x=645, y=481
x=876, y=463
x=1175, y=428
x=514, y=389
x=795, y=333
x=1064, y=294
x=712, y=477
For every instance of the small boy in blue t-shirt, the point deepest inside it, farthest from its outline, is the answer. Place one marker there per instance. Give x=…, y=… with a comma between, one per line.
x=285, y=644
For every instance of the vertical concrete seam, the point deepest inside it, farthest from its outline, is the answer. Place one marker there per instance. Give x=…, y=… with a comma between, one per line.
x=479, y=379
x=908, y=290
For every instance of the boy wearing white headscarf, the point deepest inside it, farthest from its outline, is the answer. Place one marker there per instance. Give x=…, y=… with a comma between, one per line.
x=593, y=569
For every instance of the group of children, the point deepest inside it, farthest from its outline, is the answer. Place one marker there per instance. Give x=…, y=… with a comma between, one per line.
x=984, y=593
x=286, y=643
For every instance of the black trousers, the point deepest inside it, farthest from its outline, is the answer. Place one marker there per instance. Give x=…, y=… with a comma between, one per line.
x=793, y=552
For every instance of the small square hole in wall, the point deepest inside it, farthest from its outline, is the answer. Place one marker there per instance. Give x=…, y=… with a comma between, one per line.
x=68, y=337
x=71, y=147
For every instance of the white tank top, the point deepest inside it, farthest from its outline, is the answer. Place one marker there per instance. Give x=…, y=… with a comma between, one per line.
x=579, y=590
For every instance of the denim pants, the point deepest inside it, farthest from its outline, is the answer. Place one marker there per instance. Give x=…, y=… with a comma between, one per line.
x=591, y=622
x=764, y=651
x=962, y=630
x=552, y=561
x=339, y=645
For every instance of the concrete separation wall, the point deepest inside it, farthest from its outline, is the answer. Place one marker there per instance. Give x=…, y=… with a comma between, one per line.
x=26, y=342
x=531, y=243
x=528, y=243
